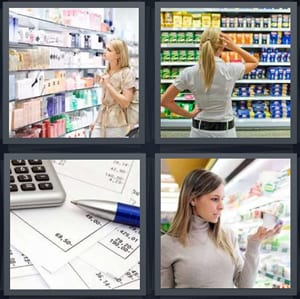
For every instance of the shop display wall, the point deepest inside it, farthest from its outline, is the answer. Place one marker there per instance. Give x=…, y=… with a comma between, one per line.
x=264, y=186
x=55, y=56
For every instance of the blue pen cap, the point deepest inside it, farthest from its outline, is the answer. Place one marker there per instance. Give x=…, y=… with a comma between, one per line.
x=127, y=214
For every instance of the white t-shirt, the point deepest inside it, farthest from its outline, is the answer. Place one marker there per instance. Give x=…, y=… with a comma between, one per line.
x=216, y=102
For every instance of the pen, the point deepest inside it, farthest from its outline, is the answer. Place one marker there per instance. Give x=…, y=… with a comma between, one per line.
x=110, y=210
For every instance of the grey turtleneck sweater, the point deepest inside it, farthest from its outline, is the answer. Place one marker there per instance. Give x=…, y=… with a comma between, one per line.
x=200, y=264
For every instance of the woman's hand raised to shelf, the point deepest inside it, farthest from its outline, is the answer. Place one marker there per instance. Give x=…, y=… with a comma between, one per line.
x=250, y=60
x=228, y=43
x=263, y=233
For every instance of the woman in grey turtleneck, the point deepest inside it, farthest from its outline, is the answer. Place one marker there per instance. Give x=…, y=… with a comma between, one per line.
x=196, y=252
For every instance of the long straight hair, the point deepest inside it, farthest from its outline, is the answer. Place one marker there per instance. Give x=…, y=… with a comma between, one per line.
x=197, y=183
x=210, y=42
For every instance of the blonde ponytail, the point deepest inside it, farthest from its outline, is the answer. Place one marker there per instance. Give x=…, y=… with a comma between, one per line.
x=207, y=64
x=209, y=44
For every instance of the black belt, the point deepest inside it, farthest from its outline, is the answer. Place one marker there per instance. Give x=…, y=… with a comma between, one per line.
x=213, y=126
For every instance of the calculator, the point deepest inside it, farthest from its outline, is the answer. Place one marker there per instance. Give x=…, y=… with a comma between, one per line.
x=34, y=184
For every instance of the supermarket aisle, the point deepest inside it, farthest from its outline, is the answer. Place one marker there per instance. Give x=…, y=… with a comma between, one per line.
x=253, y=187
x=262, y=99
x=55, y=60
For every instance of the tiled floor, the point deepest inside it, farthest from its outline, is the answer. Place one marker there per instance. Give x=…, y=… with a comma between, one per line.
x=241, y=134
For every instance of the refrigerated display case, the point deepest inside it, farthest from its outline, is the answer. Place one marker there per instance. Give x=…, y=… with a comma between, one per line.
x=263, y=186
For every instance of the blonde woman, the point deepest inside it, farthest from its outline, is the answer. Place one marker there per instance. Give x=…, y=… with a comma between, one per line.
x=211, y=81
x=197, y=252
x=118, y=83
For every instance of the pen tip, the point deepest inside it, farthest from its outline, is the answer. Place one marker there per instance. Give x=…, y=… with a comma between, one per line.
x=74, y=202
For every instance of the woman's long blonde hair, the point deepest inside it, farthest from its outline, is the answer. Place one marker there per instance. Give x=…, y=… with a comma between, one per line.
x=210, y=42
x=120, y=47
x=197, y=183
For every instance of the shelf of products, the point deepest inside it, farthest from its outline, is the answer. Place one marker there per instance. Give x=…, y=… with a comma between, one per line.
x=179, y=123
x=263, y=186
x=55, y=55
x=262, y=98
x=229, y=9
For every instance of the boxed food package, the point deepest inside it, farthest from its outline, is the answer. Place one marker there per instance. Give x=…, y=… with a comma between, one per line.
x=215, y=20
x=206, y=20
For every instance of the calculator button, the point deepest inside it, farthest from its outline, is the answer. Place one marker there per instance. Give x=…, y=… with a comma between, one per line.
x=35, y=162
x=24, y=178
x=45, y=186
x=28, y=187
x=37, y=169
x=18, y=162
x=21, y=169
x=42, y=177
x=12, y=179
x=13, y=187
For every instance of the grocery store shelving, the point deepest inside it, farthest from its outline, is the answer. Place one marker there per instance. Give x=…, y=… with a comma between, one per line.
x=177, y=123
x=275, y=277
x=243, y=214
x=171, y=42
x=229, y=9
x=227, y=29
x=256, y=98
x=262, y=81
x=196, y=46
x=172, y=63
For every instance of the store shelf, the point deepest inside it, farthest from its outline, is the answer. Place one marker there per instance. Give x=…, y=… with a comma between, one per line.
x=246, y=21
x=240, y=123
x=252, y=98
x=263, y=123
x=223, y=29
x=76, y=129
x=61, y=69
x=196, y=45
x=262, y=98
x=275, y=277
x=48, y=94
x=243, y=215
x=228, y=9
x=66, y=112
x=45, y=40
x=23, y=45
x=82, y=108
x=242, y=81
x=176, y=45
x=260, y=201
x=50, y=25
x=180, y=63
x=263, y=81
x=280, y=250
x=275, y=63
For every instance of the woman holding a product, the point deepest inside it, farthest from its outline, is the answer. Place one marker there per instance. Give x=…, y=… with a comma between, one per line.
x=118, y=83
x=197, y=252
x=211, y=81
